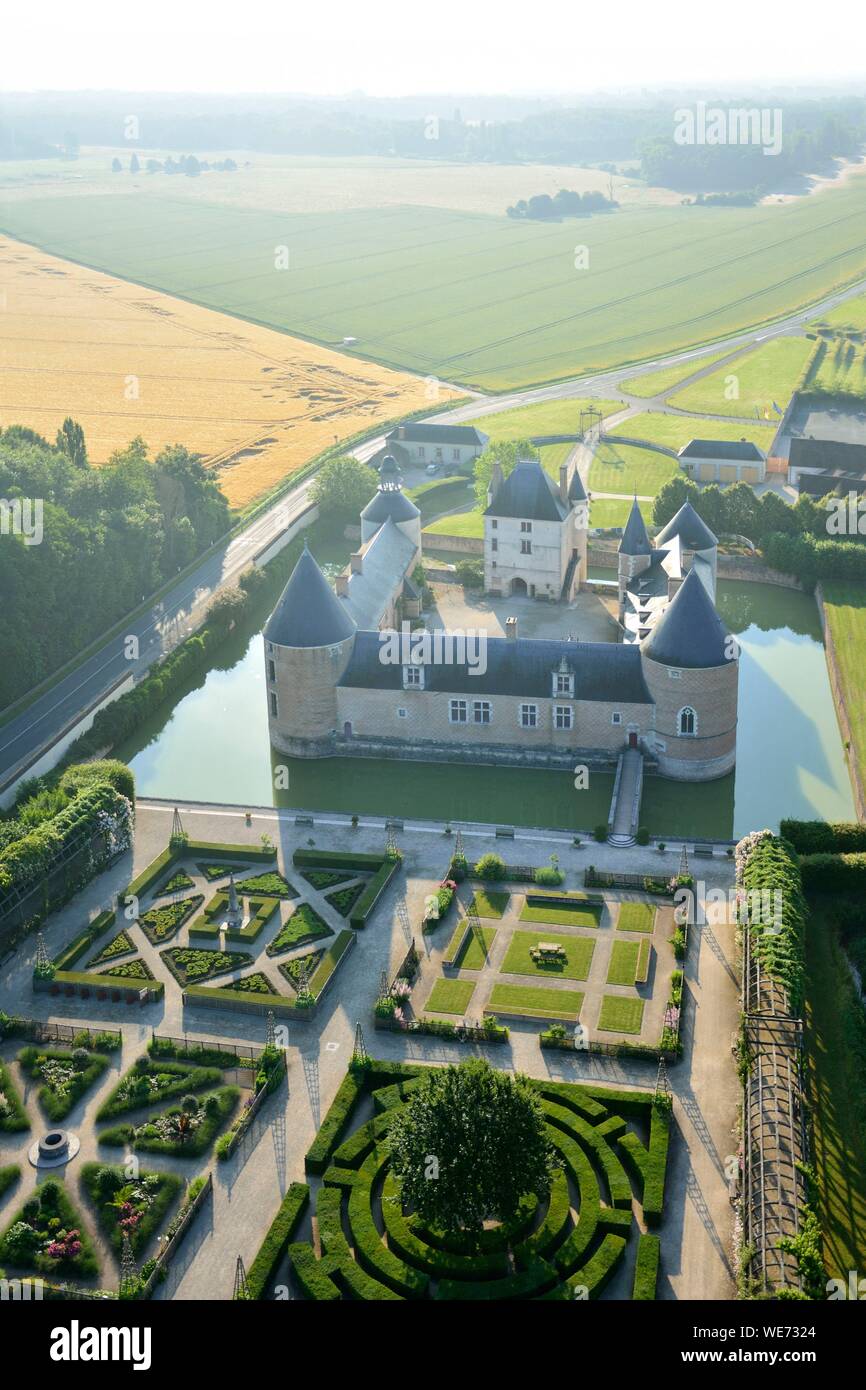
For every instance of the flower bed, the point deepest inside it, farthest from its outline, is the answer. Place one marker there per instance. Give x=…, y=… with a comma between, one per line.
x=120, y=945
x=137, y=969
x=303, y=925
x=135, y=1206
x=344, y=899
x=271, y=885
x=46, y=1236
x=212, y=872
x=162, y=923
x=151, y=1081
x=13, y=1116
x=257, y=983
x=179, y=882
x=192, y=964
x=320, y=879
x=291, y=969
x=181, y=1131
x=64, y=1076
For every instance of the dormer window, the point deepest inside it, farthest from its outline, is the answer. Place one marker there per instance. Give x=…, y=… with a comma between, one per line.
x=563, y=683
x=413, y=677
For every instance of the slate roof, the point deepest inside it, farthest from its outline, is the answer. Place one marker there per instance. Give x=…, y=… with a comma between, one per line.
x=417, y=432
x=389, y=502
x=528, y=493
x=387, y=558
x=576, y=490
x=828, y=454
x=692, y=531
x=604, y=671
x=690, y=632
x=635, y=540
x=740, y=450
x=308, y=612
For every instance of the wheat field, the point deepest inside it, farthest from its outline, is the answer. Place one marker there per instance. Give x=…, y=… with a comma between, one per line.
x=123, y=360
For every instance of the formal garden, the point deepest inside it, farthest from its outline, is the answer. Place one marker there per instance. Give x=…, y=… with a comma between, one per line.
x=465, y=1183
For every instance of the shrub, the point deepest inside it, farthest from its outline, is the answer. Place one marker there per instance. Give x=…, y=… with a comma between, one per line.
x=824, y=837
x=642, y=835
x=600, y=832
x=490, y=866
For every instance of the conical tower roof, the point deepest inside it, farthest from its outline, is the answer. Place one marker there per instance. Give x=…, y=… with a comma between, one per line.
x=308, y=612
x=693, y=532
x=389, y=500
x=690, y=632
x=635, y=540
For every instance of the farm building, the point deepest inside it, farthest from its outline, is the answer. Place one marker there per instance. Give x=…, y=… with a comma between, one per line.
x=723, y=461
x=821, y=466
x=423, y=443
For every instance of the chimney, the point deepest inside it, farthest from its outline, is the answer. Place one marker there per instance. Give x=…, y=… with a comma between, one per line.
x=511, y=629
x=563, y=484
x=341, y=585
x=356, y=562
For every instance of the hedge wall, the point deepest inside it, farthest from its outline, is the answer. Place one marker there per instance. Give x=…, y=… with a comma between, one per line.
x=766, y=864
x=824, y=837
x=833, y=873
x=372, y=893
x=276, y=1242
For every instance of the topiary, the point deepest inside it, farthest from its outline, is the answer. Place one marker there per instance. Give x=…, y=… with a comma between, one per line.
x=108, y=1181
x=642, y=835
x=81, y=1058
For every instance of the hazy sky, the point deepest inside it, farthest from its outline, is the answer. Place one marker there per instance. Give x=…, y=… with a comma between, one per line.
x=405, y=46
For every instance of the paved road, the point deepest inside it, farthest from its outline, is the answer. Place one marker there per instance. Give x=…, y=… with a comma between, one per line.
x=158, y=629
x=163, y=625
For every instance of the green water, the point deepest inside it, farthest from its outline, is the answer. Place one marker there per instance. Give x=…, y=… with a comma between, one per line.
x=213, y=746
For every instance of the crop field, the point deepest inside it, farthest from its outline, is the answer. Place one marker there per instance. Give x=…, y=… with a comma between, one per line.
x=471, y=297
x=125, y=361
x=759, y=378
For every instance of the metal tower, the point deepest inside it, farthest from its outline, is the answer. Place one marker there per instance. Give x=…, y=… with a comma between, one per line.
x=242, y=1287
x=359, y=1050
x=663, y=1085
x=178, y=834
x=43, y=960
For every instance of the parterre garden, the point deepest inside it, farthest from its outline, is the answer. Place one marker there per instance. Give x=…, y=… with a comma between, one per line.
x=588, y=1232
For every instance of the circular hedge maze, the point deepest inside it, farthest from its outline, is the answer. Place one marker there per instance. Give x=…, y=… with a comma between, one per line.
x=612, y=1147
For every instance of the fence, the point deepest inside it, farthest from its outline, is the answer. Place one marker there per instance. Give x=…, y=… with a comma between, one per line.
x=248, y=1051
x=252, y=1110
x=35, y=1030
x=644, y=883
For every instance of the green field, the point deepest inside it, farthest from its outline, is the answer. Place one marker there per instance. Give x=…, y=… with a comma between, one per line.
x=622, y=969
x=768, y=374
x=450, y=996
x=666, y=378
x=839, y=369
x=537, y=1001
x=587, y=914
x=850, y=314
x=620, y=1013
x=470, y=297
x=489, y=902
x=461, y=524
x=625, y=468
x=845, y=611
x=636, y=917
x=676, y=430
x=578, y=955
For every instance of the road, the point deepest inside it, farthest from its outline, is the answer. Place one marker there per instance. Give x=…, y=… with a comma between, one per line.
x=162, y=626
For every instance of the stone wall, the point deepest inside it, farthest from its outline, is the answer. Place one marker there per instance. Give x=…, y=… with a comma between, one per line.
x=838, y=689
x=466, y=545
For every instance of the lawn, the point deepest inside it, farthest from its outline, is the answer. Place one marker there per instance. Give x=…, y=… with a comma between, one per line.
x=579, y=914
x=450, y=996
x=605, y=512
x=535, y=1001
x=463, y=296
x=461, y=524
x=578, y=955
x=660, y=382
x=701, y=808
x=763, y=376
x=850, y=314
x=620, y=1013
x=626, y=469
x=676, y=430
x=839, y=369
x=477, y=949
x=845, y=611
x=835, y=1086
x=471, y=522
x=545, y=417
x=488, y=902
x=636, y=917
x=622, y=968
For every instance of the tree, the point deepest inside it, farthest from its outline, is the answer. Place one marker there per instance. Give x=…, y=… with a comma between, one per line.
x=343, y=487
x=506, y=454
x=70, y=441
x=116, y=165
x=134, y=164
x=469, y=1144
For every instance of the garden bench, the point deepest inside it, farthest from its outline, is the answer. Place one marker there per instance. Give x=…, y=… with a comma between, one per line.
x=703, y=851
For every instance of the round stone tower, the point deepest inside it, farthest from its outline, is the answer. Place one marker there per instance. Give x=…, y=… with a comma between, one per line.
x=390, y=501
x=308, y=642
x=690, y=664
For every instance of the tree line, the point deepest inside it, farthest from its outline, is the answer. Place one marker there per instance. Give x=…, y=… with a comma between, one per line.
x=565, y=203
x=110, y=536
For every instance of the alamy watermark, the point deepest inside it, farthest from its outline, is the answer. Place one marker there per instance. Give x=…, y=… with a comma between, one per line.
x=732, y=125
x=22, y=516
x=701, y=905
x=420, y=647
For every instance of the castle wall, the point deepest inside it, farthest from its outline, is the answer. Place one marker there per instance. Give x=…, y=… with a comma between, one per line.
x=374, y=714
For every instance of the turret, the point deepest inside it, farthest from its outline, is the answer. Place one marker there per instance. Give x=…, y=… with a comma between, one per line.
x=308, y=642
x=389, y=500
x=634, y=552
x=690, y=664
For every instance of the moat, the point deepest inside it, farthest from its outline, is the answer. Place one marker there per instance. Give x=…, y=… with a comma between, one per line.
x=214, y=746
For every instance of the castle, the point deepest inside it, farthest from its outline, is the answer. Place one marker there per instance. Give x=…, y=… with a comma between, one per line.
x=340, y=684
